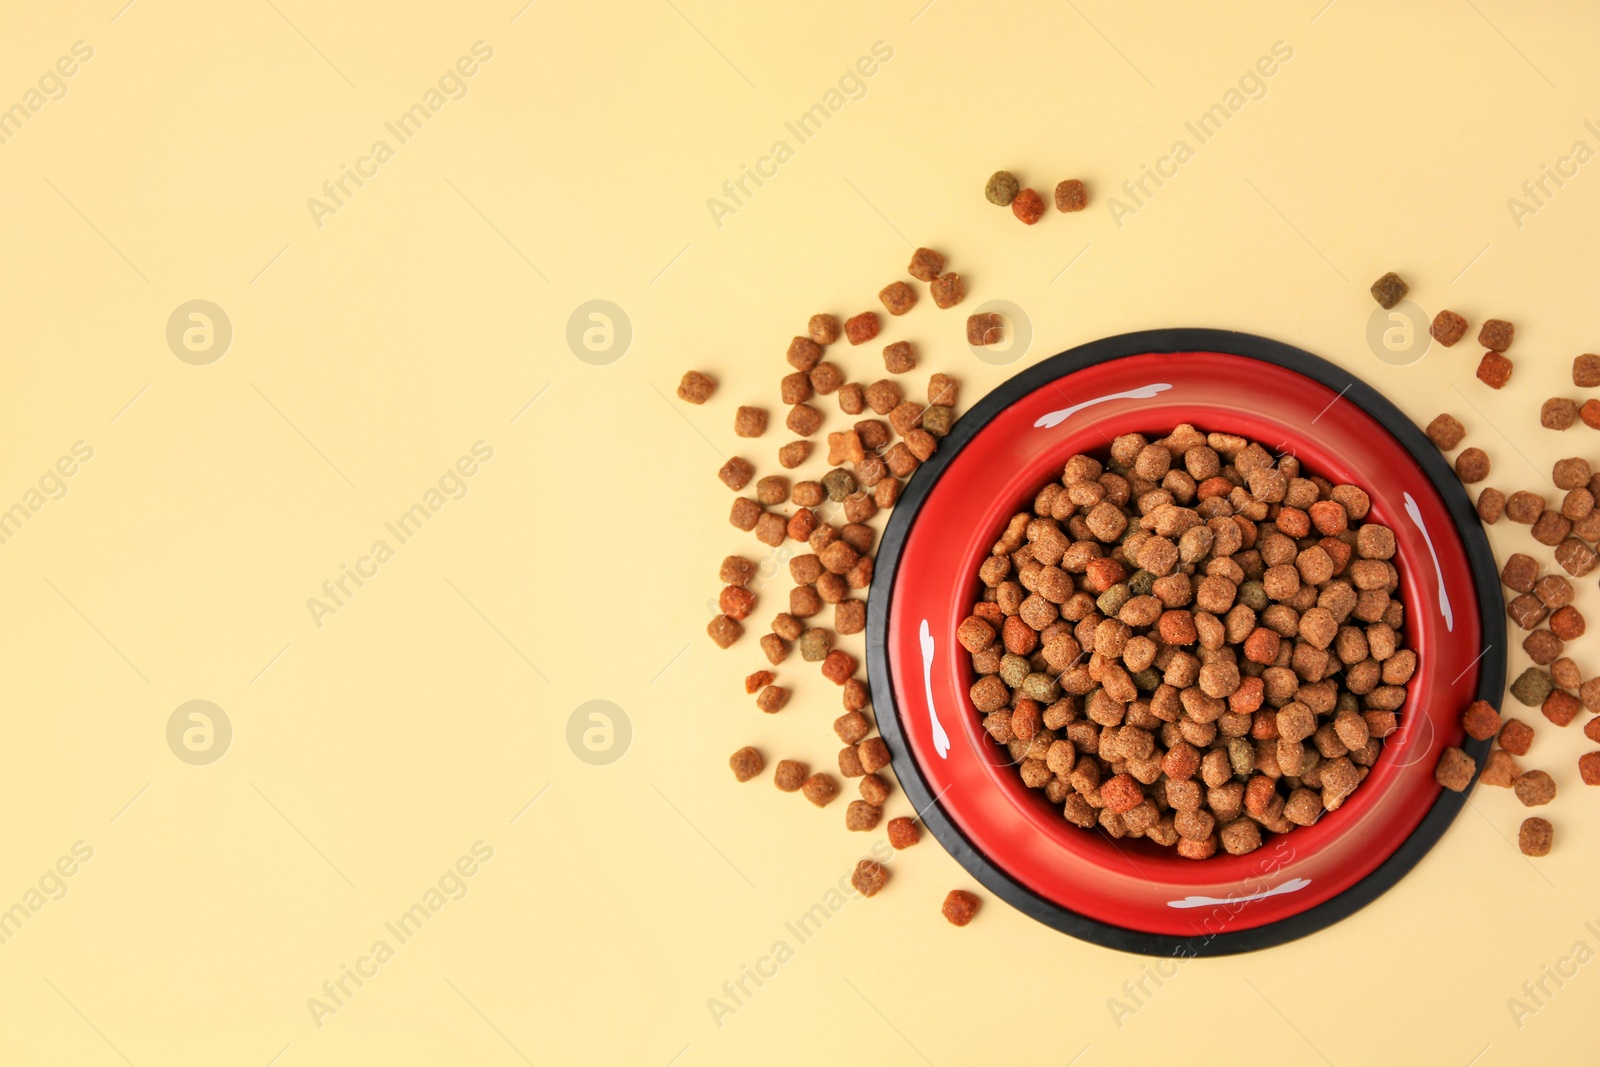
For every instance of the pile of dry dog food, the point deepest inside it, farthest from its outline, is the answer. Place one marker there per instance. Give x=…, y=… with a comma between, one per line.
x=821, y=526
x=1193, y=642
x=1541, y=601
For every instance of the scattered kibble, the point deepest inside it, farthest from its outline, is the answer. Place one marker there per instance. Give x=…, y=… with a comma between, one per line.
x=750, y=422
x=746, y=763
x=1028, y=206
x=1472, y=465
x=1494, y=370
x=790, y=775
x=1491, y=505
x=1071, y=196
x=1446, y=432
x=820, y=789
x=898, y=297
x=1586, y=371
x=1389, y=290
x=859, y=329
x=869, y=877
x=696, y=388
x=987, y=328
x=926, y=264
x=1534, y=788
x=900, y=358
x=1535, y=836
x=1558, y=413
x=1448, y=328
x=1516, y=737
x=959, y=907
x=948, y=290
x=1002, y=188
x=1496, y=335
x=1455, y=769
x=1480, y=720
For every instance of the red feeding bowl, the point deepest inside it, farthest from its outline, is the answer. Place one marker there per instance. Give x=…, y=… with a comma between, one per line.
x=1131, y=894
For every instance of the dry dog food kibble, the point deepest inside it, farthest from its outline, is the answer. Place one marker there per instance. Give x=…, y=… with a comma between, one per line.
x=1446, y=432
x=1001, y=188
x=1472, y=465
x=1480, y=720
x=750, y=422
x=1134, y=638
x=1558, y=413
x=959, y=907
x=1494, y=370
x=1496, y=335
x=1525, y=508
x=1531, y=687
x=1455, y=769
x=696, y=388
x=900, y=357
x=793, y=454
x=1500, y=770
x=1448, y=328
x=1590, y=414
x=1571, y=473
x=746, y=763
x=861, y=816
x=1071, y=196
x=1491, y=505
x=869, y=877
x=859, y=329
x=820, y=789
x=1389, y=290
x=898, y=297
x=903, y=832
x=1534, y=788
x=1589, y=768
x=1535, y=837
x=724, y=630
x=1586, y=371
x=790, y=775
x=926, y=264
x=1516, y=736
x=948, y=290
x=736, y=473
x=824, y=329
x=1028, y=207
x=987, y=328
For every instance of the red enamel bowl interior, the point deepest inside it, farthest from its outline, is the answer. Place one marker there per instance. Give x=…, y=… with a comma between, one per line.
x=1132, y=883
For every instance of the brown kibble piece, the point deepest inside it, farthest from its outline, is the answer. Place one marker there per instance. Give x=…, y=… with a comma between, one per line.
x=790, y=775
x=1071, y=196
x=859, y=329
x=793, y=454
x=1534, y=788
x=900, y=358
x=943, y=390
x=898, y=297
x=1561, y=707
x=750, y=422
x=746, y=763
x=1472, y=465
x=874, y=790
x=824, y=329
x=1455, y=769
x=1535, y=837
x=1590, y=414
x=772, y=699
x=803, y=353
x=1494, y=370
x=926, y=264
x=1524, y=507
x=1446, y=432
x=1589, y=768
x=861, y=816
x=724, y=630
x=1496, y=335
x=820, y=789
x=1558, y=413
x=1028, y=207
x=869, y=878
x=903, y=832
x=696, y=388
x=1516, y=736
x=1572, y=473
x=987, y=328
x=874, y=753
x=1499, y=770
x=1480, y=720
x=1448, y=328
x=948, y=290
x=1491, y=505
x=959, y=907
x=1586, y=371
x=736, y=473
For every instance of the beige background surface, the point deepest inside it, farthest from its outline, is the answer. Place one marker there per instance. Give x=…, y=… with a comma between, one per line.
x=429, y=312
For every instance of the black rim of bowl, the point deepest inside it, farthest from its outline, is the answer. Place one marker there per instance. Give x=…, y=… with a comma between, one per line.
x=1485, y=574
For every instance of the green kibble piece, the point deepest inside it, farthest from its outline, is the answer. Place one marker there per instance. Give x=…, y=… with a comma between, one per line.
x=1014, y=669
x=1112, y=599
x=1002, y=188
x=1253, y=595
x=1141, y=583
x=815, y=644
x=1532, y=686
x=1148, y=680
x=1242, y=754
x=839, y=483
x=1041, y=687
x=938, y=418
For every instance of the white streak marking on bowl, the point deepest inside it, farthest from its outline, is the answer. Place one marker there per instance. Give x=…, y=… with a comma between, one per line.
x=941, y=740
x=1293, y=885
x=1144, y=392
x=1438, y=572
